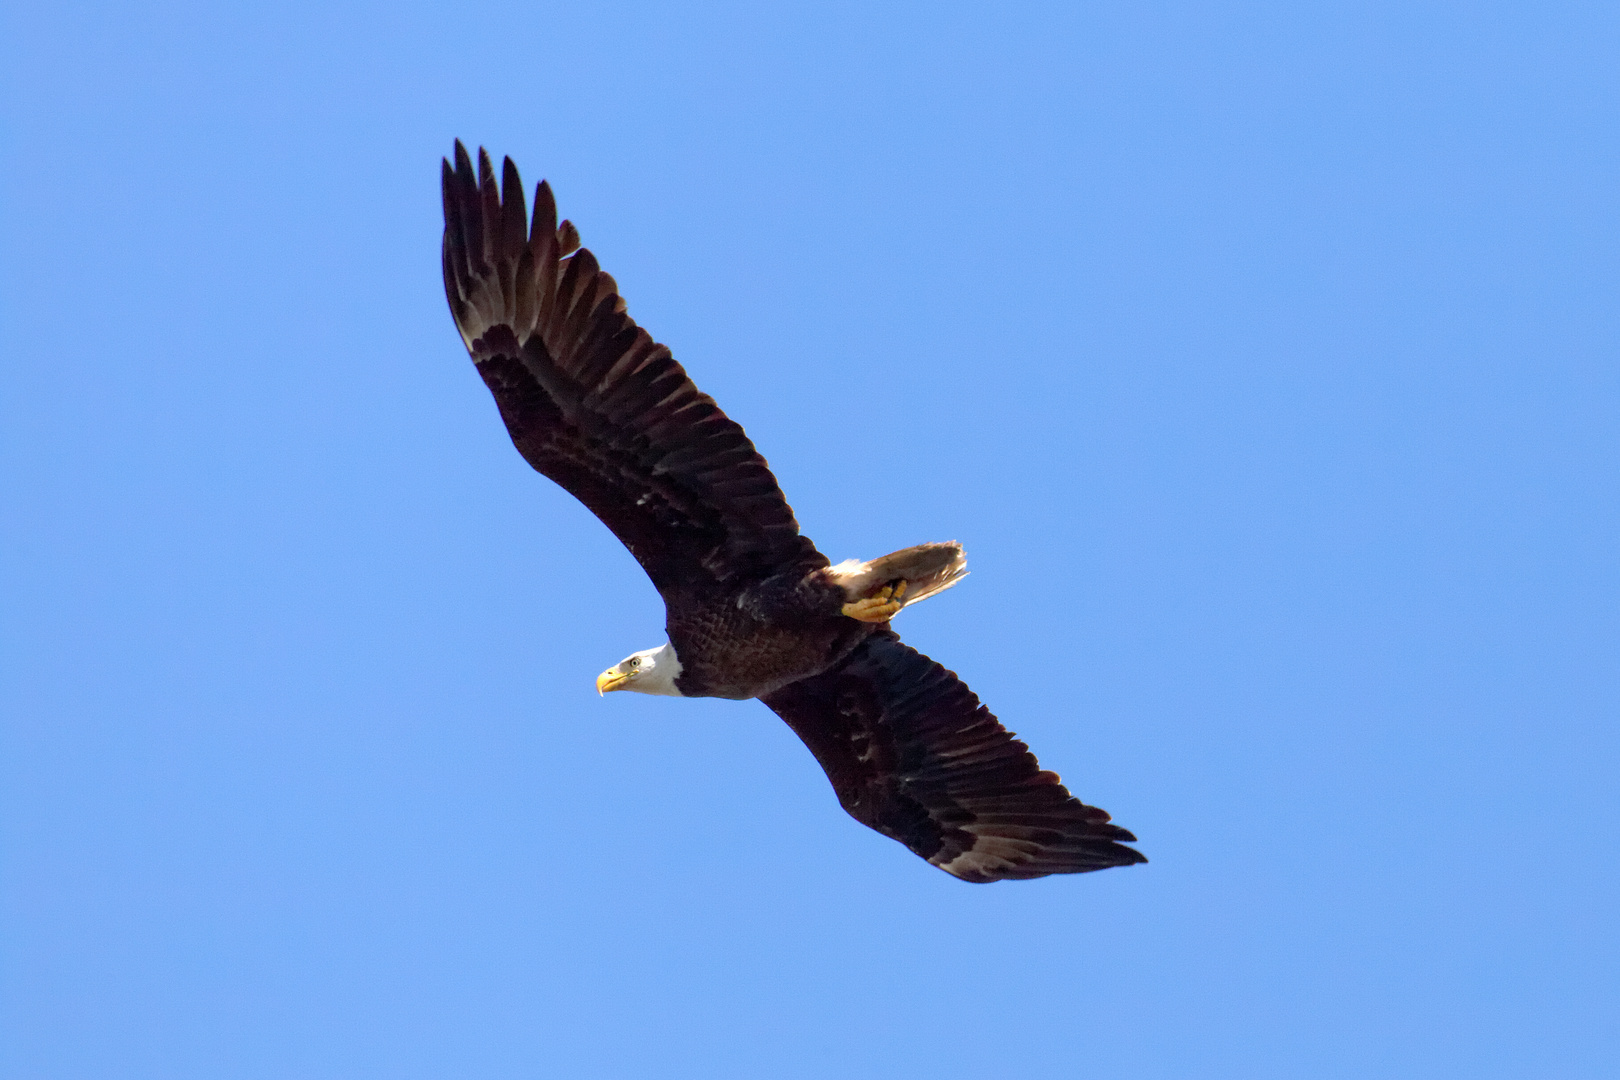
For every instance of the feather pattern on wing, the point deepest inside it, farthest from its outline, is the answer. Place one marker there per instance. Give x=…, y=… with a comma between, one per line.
x=593, y=402
x=913, y=754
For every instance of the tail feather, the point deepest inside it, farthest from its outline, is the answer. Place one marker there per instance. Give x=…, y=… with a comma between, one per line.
x=927, y=569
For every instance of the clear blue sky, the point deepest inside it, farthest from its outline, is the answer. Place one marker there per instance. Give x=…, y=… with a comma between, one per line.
x=1262, y=355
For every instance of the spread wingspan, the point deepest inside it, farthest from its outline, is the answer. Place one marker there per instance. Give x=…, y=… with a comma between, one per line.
x=594, y=403
x=913, y=754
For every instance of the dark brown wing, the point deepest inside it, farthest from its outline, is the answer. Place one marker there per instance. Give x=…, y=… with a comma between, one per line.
x=912, y=753
x=594, y=403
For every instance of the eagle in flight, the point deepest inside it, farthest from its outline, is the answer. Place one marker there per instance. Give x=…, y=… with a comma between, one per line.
x=752, y=608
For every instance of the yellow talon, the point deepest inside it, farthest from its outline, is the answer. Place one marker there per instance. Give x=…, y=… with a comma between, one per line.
x=880, y=607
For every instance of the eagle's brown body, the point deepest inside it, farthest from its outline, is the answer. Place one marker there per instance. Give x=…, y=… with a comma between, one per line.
x=747, y=643
x=752, y=608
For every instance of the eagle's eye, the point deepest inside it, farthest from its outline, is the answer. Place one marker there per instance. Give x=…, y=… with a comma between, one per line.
x=635, y=662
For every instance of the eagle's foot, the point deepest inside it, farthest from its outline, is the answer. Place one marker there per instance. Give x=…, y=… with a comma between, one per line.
x=880, y=607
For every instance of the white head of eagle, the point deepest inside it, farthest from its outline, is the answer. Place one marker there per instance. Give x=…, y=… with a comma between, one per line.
x=650, y=671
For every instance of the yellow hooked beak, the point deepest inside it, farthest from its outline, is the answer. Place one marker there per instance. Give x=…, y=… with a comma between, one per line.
x=611, y=679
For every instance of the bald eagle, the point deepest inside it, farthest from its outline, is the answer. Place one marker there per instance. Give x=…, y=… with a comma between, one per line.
x=753, y=610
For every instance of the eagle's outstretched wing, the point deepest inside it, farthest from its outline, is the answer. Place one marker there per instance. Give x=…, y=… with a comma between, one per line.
x=912, y=753
x=594, y=403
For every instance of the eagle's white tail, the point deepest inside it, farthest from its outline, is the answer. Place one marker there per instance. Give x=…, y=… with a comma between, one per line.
x=926, y=569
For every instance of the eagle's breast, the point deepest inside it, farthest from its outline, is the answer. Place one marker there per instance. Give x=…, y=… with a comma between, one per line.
x=739, y=650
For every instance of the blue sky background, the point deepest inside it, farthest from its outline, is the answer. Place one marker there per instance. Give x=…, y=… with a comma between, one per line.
x=1262, y=355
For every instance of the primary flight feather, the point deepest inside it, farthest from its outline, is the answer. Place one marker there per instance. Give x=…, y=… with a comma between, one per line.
x=752, y=608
